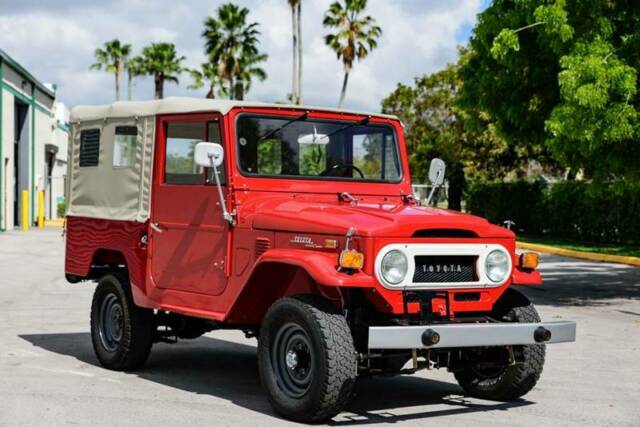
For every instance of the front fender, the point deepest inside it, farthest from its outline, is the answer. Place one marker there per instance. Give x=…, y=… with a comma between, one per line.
x=526, y=277
x=321, y=266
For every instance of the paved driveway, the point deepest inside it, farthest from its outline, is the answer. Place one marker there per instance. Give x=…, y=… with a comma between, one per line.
x=49, y=376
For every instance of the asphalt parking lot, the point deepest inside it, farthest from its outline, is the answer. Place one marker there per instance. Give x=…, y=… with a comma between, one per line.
x=49, y=376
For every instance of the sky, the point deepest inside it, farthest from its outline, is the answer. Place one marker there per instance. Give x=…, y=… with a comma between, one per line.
x=55, y=40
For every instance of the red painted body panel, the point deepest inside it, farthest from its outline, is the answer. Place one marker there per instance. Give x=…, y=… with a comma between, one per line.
x=261, y=260
x=190, y=254
x=86, y=236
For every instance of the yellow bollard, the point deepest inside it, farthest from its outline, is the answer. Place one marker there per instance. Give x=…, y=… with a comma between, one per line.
x=25, y=210
x=40, y=209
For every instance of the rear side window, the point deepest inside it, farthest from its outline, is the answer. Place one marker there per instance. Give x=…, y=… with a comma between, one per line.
x=124, y=146
x=89, y=147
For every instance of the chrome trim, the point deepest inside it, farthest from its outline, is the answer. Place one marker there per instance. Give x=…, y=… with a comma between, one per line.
x=458, y=335
x=411, y=250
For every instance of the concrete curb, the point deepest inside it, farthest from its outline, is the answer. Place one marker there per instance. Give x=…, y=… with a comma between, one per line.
x=591, y=256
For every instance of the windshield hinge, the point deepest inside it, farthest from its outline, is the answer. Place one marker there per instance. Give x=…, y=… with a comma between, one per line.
x=346, y=197
x=230, y=217
x=411, y=199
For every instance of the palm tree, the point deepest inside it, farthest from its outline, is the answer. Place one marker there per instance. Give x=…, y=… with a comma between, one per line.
x=162, y=62
x=208, y=75
x=134, y=68
x=231, y=44
x=112, y=58
x=247, y=70
x=296, y=73
x=356, y=35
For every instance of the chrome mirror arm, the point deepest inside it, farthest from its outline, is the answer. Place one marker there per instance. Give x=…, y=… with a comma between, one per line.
x=226, y=215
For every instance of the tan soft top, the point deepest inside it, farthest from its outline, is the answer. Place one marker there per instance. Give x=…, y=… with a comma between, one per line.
x=124, y=109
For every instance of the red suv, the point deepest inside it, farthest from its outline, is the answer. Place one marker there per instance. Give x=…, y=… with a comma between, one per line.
x=299, y=227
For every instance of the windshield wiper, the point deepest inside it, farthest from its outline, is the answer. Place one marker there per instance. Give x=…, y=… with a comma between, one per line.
x=349, y=126
x=273, y=132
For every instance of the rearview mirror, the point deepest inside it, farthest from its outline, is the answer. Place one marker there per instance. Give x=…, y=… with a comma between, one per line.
x=208, y=154
x=314, y=138
x=436, y=172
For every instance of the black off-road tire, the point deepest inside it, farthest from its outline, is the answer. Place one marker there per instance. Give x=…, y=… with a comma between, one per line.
x=518, y=379
x=333, y=367
x=131, y=350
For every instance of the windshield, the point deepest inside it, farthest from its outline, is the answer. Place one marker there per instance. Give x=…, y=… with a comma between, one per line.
x=310, y=148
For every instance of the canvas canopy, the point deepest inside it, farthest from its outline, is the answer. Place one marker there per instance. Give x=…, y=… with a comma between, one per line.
x=111, y=151
x=176, y=105
x=112, y=188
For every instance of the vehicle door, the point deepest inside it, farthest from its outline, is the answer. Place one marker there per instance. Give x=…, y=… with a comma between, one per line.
x=188, y=236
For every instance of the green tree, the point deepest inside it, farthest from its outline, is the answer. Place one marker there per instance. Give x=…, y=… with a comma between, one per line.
x=248, y=70
x=296, y=72
x=134, y=69
x=355, y=35
x=436, y=126
x=208, y=75
x=232, y=45
x=112, y=59
x=559, y=77
x=161, y=61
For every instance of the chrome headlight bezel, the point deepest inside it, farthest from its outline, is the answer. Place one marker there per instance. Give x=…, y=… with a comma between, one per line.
x=497, y=266
x=394, y=267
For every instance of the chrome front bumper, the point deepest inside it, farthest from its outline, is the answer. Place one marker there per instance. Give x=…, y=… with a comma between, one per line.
x=456, y=335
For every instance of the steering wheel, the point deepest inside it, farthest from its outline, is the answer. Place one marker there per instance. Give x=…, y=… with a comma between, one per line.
x=341, y=166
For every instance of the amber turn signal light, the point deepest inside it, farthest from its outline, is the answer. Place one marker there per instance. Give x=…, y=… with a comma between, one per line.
x=351, y=259
x=529, y=260
x=330, y=244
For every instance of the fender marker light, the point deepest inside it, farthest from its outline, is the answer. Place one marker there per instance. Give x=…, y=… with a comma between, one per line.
x=529, y=260
x=351, y=259
x=330, y=244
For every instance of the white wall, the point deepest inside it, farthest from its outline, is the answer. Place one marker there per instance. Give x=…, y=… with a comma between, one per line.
x=8, y=179
x=47, y=131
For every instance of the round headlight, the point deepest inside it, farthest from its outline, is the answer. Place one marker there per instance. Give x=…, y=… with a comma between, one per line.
x=394, y=267
x=497, y=265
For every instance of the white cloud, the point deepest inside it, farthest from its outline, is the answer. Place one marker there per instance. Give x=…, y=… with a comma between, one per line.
x=57, y=44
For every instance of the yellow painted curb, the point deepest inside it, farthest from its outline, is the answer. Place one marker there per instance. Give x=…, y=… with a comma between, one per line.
x=54, y=223
x=619, y=259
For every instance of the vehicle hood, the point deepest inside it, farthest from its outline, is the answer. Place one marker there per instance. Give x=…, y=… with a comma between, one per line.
x=369, y=219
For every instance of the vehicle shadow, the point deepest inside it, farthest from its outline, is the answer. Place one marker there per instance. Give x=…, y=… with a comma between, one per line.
x=228, y=370
x=574, y=282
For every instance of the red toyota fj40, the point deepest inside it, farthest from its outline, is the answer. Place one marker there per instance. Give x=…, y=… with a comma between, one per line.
x=298, y=226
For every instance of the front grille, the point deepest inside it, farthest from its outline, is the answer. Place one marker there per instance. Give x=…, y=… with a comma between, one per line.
x=444, y=269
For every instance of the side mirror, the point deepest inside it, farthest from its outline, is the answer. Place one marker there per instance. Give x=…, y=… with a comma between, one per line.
x=208, y=154
x=436, y=172
x=211, y=155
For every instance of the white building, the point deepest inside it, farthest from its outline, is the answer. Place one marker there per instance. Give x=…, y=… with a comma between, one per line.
x=33, y=145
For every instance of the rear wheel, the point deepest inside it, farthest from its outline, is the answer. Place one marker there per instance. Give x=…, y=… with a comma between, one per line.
x=490, y=374
x=306, y=358
x=121, y=332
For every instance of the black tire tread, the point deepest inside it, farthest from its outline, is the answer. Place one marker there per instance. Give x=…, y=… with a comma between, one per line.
x=340, y=355
x=523, y=375
x=139, y=325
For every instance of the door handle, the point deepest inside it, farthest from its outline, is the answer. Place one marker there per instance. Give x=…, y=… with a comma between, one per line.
x=156, y=227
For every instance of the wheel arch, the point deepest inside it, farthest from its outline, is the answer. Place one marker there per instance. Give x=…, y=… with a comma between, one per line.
x=271, y=280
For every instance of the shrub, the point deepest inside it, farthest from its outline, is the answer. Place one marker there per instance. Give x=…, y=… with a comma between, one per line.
x=579, y=211
x=520, y=202
x=62, y=209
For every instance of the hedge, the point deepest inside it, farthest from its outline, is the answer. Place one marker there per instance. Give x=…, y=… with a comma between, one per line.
x=579, y=211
